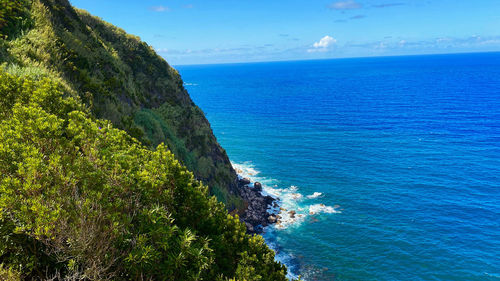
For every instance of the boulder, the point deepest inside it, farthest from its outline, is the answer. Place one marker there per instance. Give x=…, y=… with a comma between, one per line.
x=272, y=219
x=244, y=181
x=256, y=216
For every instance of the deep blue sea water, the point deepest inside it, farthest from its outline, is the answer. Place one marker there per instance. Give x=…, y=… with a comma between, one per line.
x=405, y=152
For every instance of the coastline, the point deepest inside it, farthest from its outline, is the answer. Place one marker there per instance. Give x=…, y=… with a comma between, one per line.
x=263, y=211
x=272, y=209
x=270, y=205
x=258, y=213
x=361, y=167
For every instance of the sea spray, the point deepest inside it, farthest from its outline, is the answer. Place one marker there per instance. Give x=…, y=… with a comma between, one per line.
x=314, y=195
x=290, y=209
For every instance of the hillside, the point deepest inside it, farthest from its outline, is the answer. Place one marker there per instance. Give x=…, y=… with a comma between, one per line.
x=81, y=200
x=98, y=138
x=120, y=78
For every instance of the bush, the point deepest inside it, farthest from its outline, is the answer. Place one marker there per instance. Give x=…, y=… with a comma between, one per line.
x=81, y=199
x=14, y=17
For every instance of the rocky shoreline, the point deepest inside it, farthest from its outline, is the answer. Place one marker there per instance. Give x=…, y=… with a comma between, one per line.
x=257, y=215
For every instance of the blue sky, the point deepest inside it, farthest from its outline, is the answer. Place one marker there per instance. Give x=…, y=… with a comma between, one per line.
x=226, y=31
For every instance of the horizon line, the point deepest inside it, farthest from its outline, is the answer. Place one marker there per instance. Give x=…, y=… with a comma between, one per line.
x=339, y=58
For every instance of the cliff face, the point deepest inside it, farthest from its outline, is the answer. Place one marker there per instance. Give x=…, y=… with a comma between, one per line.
x=121, y=79
x=85, y=198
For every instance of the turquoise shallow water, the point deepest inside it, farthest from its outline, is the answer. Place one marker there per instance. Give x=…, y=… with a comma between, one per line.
x=403, y=153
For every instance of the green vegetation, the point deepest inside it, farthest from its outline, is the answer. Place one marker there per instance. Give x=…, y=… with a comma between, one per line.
x=120, y=79
x=90, y=189
x=14, y=17
x=82, y=200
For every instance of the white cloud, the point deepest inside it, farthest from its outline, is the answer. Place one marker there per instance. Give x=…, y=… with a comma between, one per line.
x=162, y=50
x=323, y=44
x=160, y=9
x=345, y=5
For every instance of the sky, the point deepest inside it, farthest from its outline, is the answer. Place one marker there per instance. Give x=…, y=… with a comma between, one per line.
x=232, y=31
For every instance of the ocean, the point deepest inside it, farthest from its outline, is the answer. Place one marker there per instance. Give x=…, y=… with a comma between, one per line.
x=392, y=164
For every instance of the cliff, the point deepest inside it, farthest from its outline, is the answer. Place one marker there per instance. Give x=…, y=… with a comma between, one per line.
x=101, y=156
x=121, y=79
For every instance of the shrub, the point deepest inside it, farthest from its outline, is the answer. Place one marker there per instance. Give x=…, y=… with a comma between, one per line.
x=81, y=199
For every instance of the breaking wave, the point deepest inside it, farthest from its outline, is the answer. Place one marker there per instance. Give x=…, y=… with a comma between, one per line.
x=291, y=209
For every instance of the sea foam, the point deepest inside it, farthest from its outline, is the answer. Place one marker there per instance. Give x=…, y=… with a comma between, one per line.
x=245, y=170
x=314, y=195
x=291, y=210
x=321, y=208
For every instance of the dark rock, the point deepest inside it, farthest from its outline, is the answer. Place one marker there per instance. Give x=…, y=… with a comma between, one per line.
x=292, y=214
x=244, y=181
x=250, y=228
x=256, y=216
x=272, y=219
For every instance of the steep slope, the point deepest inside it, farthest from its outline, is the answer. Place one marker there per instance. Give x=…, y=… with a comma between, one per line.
x=85, y=198
x=119, y=78
x=81, y=200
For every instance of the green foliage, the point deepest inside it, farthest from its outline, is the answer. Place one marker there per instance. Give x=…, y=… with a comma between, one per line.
x=87, y=199
x=14, y=17
x=7, y=274
x=156, y=131
x=80, y=199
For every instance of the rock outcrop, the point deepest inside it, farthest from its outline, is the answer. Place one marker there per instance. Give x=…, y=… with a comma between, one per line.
x=256, y=215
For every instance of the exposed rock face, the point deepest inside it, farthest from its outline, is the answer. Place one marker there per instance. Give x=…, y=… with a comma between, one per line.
x=256, y=215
